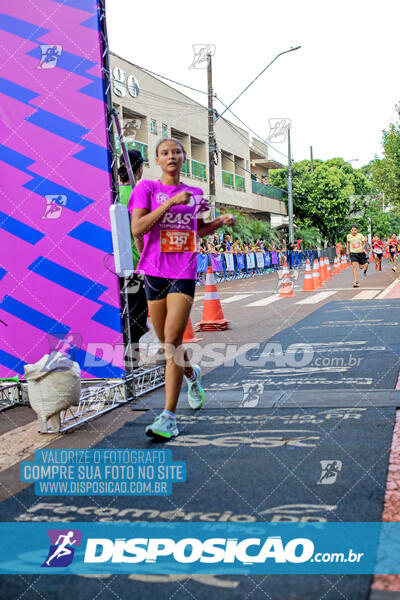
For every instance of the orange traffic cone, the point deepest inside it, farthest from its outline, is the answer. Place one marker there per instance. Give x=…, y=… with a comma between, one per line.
x=371, y=257
x=322, y=271
x=342, y=263
x=213, y=316
x=336, y=267
x=286, y=288
x=188, y=336
x=308, y=285
x=316, y=275
x=345, y=262
x=328, y=268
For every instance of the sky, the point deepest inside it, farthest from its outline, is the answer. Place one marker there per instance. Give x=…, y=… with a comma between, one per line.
x=339, y=89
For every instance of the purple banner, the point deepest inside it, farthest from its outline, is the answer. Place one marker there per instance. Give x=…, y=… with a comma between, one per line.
x=55, y=183
x=216, y=262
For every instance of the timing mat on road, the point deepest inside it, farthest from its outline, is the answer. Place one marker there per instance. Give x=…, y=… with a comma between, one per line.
x=351, y=345
x=310, y=465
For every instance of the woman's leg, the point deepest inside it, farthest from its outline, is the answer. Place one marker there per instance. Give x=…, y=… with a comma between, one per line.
x=158, y=314
x=354, y=265
x=178, y=312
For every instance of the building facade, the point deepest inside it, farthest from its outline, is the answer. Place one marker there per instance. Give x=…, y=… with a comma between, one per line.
x=149, y=110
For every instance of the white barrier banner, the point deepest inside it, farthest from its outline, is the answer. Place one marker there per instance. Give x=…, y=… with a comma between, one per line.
x=260, y=260
x=229, y=262
x=250, y=261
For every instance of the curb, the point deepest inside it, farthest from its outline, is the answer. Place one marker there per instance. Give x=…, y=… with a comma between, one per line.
x=387, y=290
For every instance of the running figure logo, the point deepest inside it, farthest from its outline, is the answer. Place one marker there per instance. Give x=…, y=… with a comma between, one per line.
x=200, y=55
x=50, y=56
x=54, y=206
x=278, y=130
x=251, y=394
x=62, y=542
x=330, y=471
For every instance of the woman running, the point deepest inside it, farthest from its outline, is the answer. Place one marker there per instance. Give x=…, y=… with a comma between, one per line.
x=377, y=248
x=393, y=250
x=169, y=216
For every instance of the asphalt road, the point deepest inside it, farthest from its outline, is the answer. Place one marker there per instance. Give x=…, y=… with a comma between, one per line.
x=257, y=315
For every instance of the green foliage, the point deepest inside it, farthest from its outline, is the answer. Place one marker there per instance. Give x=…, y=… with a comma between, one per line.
x=309, y=236
x=249, y=229
x=322, y=199
x=385, y=172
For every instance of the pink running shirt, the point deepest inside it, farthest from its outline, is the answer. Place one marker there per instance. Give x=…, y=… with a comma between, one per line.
x=170, y=246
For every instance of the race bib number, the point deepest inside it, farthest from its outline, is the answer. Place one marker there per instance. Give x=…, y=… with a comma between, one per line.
x=178, y=241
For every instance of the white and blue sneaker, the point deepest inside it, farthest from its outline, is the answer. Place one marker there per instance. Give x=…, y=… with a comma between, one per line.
x=195, y=391
x=163, y=427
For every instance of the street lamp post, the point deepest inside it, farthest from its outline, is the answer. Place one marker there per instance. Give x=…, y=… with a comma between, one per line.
x=259, y=75
x=290, y=191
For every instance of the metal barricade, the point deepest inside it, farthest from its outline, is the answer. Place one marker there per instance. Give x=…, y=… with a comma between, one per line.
x=99, y=399
x=10, y=395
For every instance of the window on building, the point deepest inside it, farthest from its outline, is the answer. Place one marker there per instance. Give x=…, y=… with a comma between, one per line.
x=164, y=130
x=153, y=126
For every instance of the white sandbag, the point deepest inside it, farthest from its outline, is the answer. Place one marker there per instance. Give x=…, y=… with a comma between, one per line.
x=54, y=384
x=150, y=349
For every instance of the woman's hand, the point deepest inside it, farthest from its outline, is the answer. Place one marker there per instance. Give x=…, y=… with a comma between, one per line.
x=180, y=198
x=227, y=220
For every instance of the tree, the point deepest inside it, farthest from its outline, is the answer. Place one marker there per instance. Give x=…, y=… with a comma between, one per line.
x=249, y=229
x=322, y=199
x=386, y=171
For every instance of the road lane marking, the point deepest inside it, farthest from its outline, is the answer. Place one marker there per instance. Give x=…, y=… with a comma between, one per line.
x=316, y=298
x=366, y=295
x=264, y=301
x=235, y=298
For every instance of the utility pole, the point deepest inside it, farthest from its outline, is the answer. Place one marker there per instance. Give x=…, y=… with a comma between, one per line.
x=311, y=160
x=290, y=191
x=211, y=138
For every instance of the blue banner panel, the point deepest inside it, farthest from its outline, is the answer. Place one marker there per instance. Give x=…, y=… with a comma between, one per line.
x=201, y=263
x=256, y=548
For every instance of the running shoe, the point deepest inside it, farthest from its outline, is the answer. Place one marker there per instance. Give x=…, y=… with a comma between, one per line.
x=394, y=269
x=195, y=391
x=365, y=270
x=163, y=427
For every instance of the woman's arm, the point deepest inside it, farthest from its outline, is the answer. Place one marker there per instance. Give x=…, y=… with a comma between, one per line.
x=143, y=221
x=139, y=244
x=208, y=228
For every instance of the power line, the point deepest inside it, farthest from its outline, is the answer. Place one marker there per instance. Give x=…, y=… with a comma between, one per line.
x=249, y=128
x=201, y=107
x=204, y=107
x=173, y=81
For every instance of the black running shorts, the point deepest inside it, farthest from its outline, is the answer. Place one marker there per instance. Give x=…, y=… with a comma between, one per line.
x=158, y=288
x=358, y=257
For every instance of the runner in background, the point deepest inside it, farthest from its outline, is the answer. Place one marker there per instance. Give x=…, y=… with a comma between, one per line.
x=168, y=215
x=356, y=248
x=393, y=250
x=377, y=248
x=367, y=251
x=387, y=250
x=137, y=303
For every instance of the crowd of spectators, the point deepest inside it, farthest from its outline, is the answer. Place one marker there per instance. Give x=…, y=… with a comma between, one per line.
x=217, y=244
